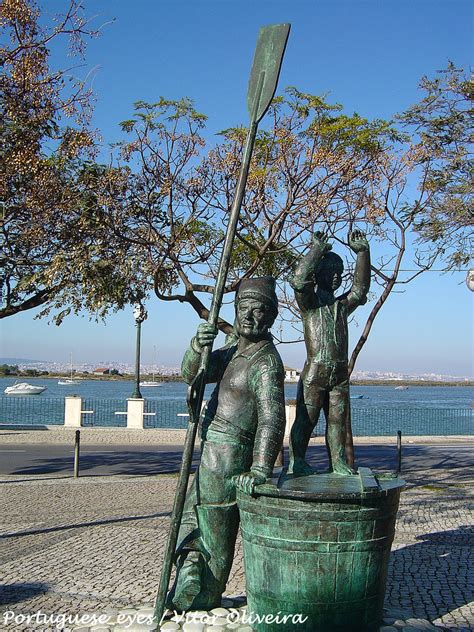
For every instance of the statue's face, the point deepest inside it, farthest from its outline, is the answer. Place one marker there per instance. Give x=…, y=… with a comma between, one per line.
x=253, y=318
x=329, y=277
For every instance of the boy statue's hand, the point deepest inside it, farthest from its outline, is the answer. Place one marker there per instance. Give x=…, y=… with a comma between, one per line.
x=358, y=242
x=321, y=240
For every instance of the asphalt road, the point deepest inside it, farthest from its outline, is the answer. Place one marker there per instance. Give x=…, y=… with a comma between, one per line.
x=104, y=460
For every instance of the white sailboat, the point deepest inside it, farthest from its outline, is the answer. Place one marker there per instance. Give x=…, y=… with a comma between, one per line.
x=68, y=381
x=153, y=383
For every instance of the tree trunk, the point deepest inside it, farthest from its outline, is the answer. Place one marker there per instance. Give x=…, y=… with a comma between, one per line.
x=37, y=300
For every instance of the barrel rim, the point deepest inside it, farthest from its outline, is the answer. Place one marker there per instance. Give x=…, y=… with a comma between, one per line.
x=327, y=487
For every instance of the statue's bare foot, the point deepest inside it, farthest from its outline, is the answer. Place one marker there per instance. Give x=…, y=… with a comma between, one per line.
x=341, y=467
x=299, y=467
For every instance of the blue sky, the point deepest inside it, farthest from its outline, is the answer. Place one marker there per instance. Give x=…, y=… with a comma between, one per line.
x=368, y=55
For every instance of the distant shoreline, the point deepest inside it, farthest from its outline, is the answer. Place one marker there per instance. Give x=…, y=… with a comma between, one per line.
x=178, y=378
x=408, y=383
x=80, y=377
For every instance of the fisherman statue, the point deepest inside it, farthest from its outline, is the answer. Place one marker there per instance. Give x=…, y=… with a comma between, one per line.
x=241, y=435
x=324, y=381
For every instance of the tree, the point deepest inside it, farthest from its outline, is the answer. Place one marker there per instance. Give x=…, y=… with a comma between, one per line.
x=437, y=156
x=315, y=167
x=441, y=127
x=55, y=254
x=8, y=369
x=154, y=218
x=313, y=164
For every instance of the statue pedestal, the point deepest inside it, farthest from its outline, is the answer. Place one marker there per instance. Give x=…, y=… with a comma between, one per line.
x=318, y=546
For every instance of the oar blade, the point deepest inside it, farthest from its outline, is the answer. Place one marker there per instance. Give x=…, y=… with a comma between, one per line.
x=267, y=62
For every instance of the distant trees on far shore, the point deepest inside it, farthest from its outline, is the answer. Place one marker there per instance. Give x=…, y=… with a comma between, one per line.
x=12, y=369
x=8, y=369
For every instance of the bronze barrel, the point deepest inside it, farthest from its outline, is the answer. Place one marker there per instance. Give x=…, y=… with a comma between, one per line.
x=318, y=547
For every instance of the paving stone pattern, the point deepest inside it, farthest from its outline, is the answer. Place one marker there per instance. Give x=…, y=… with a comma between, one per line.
x=95, y=545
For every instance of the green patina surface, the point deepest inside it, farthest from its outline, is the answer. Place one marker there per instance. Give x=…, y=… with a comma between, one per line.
x=318, y=546
x=241, y=434
x=324, y=383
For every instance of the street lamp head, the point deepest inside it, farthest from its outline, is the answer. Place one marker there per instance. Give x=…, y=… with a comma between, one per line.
x=470, y=279
x=139, y=313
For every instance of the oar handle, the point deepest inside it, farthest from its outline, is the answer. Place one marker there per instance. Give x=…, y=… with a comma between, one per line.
x=176, y=516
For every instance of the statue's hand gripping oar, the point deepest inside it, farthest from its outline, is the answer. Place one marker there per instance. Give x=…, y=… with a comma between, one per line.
x=262, y=85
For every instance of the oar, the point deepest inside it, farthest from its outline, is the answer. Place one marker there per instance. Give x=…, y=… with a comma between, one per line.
x=262, y=85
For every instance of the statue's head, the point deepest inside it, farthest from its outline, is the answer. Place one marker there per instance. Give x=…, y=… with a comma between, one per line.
x=328, y=274
x=256, y=307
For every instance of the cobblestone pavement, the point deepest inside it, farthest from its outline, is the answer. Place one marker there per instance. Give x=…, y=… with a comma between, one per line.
x=95, y=545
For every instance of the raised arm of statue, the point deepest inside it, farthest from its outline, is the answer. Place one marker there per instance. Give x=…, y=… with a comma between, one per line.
x=360, y=287
x=303, y=278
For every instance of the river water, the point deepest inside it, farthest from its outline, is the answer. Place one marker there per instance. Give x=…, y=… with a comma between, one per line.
x=376, y=410
x=381, y=396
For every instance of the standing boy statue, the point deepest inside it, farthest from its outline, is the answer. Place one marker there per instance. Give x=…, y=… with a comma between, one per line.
x=242, y=433
x=324, y=382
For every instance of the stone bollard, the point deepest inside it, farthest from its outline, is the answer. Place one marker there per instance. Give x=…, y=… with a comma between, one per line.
x=135, y=410
x=73, y=411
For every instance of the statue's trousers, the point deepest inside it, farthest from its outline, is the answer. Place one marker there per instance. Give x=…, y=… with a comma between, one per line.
x=210, y=519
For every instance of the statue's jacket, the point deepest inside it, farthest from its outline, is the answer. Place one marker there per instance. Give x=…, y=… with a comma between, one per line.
x=242, y=426
x=325, y=319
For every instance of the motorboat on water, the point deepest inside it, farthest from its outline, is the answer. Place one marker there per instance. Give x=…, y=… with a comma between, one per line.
x=23, y=388
x=151, y=384
x=401, y=388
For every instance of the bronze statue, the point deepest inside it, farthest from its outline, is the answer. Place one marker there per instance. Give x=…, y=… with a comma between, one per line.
x=241, y=433
x=324, y=382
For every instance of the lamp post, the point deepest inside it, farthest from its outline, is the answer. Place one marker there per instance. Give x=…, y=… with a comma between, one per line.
x=139, y=313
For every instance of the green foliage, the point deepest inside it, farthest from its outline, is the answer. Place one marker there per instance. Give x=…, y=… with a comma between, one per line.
x=155, y=116
x=354, y=133
x=247, y=253
x=45, y=139
x=8, y=369
x=442, y=128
